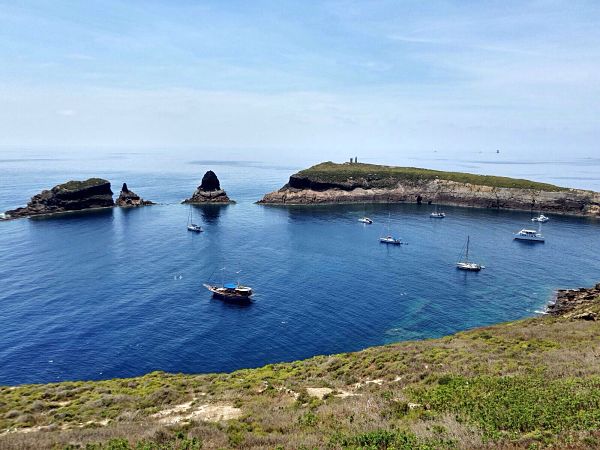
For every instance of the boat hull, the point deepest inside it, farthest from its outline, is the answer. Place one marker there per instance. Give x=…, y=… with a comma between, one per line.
x=230, y=294
x=469, y=267
x=529, y=238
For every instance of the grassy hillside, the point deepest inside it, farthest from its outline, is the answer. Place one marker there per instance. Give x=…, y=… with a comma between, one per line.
x=529, y=384
x=330, y=172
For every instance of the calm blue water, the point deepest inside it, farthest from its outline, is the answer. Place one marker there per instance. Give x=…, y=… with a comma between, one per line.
x=119, y=293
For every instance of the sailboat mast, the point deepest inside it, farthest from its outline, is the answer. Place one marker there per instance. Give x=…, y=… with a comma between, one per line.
x=467, y=254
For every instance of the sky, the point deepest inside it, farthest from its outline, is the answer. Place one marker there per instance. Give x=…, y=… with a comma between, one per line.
x=286, y=78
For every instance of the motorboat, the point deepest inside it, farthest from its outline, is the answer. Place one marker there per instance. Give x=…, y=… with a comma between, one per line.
x=465, y=264
x=365, y=220
x=529, y=235
x=541, y=218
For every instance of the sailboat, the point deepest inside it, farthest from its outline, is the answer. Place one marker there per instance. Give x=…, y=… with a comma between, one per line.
x=230, y=291
x=389, y=239
x=541, y=218
x=465, y=264
x=437, y=214
x=191, y=226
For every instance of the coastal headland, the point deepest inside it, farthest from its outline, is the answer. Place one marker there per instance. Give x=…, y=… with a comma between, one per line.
x=531, y=383
x=329, y=182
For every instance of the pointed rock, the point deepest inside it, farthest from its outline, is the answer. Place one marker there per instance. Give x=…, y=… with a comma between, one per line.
x=209, y=191
x=129, y=198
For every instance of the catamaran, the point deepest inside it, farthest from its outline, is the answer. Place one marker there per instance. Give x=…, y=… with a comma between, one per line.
x=191, y=226
x=530, y=235
x=465, y=264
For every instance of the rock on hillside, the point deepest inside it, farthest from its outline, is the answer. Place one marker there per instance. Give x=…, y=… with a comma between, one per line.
x=70, y=196
x=129, y=198
x=209, y=191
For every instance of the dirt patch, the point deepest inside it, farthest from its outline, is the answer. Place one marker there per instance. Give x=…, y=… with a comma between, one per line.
x=185, y=412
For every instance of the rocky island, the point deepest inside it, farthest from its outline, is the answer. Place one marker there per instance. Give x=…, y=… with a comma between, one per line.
x=71, y=196
x=369, y=183
x=129, y=198
x=209, y=191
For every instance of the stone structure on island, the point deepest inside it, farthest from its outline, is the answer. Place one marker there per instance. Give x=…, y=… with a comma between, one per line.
x=129, y=198
x=71, y=196
x=209, y=191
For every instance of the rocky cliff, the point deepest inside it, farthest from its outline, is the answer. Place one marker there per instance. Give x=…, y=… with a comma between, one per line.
x=129, y=198
x=209, y=191
x=360, y=183
x=70, y=196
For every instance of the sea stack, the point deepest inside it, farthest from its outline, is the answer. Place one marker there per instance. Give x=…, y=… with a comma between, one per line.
x=209, y=191
x=71, y=196
x=129, y=198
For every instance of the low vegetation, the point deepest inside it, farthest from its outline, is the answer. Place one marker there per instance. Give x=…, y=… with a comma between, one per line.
x=77, y=185
x=529, y=384
x=388, y=176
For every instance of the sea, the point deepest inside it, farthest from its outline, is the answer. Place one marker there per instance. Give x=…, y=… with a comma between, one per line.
x=119, y=292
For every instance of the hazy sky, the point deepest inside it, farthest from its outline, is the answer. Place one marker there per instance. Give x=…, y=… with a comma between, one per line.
x=320, y=78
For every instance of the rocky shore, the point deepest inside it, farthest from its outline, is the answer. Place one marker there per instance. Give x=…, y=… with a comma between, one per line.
x=71, y=196
x=129, y=198
x=364, y=183
x=209, y=191
x=568, y=300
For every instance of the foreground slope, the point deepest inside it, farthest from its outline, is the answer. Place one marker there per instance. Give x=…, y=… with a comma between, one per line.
x=525, y=384
x=358, y=183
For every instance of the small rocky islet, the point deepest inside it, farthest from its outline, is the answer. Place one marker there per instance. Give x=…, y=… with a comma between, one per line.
x=93, y=193
x=209, y=191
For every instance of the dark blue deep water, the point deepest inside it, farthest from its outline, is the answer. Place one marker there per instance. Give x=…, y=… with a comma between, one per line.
x=119, y=293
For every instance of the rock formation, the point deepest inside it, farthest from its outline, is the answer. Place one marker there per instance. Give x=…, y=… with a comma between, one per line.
x=129, y=198
x=209, y=191
x=342, y=183
x=70, y=196
x=569, y=299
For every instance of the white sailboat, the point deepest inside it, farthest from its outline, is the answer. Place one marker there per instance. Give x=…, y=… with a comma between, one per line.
x=389, y=239
x=541, y=218
x=191, y=226
x=437, y=214
x=465, y=264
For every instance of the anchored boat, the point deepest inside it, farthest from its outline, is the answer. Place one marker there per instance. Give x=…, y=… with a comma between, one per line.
x=541, y=218
x=230, y=291
x=437, y=214
x=530, y=235
x=465, y=264
x=365, y=220
x=389, y=239
x=191, y=226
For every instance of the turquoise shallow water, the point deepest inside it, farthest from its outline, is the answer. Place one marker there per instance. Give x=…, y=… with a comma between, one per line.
x=119, y=293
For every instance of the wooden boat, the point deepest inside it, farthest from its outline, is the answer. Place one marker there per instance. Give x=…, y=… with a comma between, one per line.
x=230, y=291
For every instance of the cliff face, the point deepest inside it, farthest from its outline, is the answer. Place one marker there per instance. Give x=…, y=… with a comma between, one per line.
x=209, y=191
x=70, y=196
x=306, y=188
x=129, y=198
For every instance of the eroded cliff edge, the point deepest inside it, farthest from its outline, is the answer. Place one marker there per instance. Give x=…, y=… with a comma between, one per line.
x=368, y=183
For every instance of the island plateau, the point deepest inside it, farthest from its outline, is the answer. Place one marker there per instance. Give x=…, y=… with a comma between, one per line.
x=369, y=183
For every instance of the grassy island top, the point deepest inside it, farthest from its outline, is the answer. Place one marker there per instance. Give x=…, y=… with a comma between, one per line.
x=74, y=185
x=533, y=383
x=337, y=173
